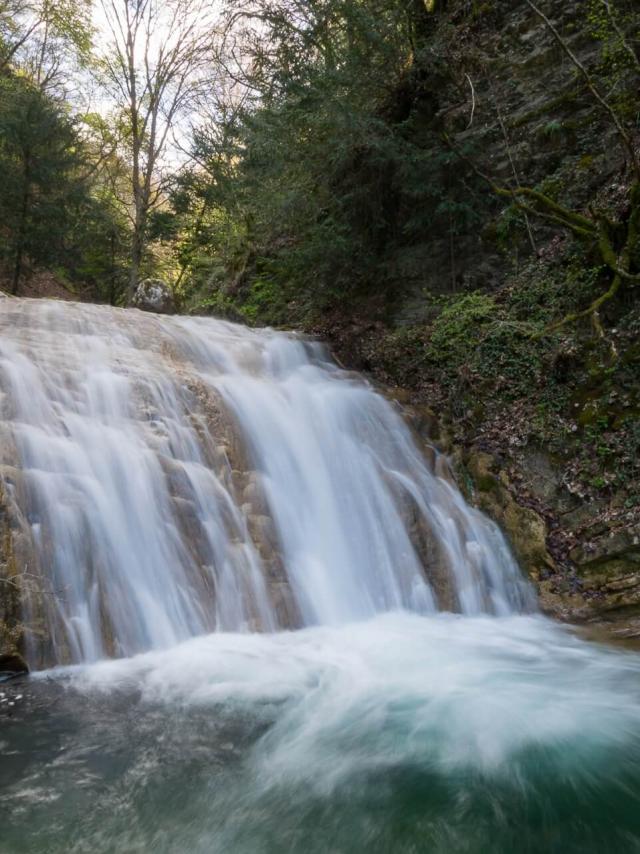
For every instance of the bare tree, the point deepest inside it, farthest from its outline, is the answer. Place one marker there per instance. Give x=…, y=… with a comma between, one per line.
x=44, y=38
x=155, y=63
x=18, y=23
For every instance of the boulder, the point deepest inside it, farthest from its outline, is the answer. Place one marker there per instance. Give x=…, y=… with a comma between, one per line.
x=154, y=295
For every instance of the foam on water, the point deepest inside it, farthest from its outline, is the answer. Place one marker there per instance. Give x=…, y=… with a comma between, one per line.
x=447, y=690
x=402, y=733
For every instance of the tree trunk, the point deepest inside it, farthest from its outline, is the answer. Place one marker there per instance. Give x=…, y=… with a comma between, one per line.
x=137, y=250
x=424, y=17
x=113, y=272
x=134, y=269
x=22, y=227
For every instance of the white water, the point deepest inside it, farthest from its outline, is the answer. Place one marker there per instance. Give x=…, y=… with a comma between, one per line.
x=402, y=733
x=174, y=476
x=174, y=485
x=449, y=691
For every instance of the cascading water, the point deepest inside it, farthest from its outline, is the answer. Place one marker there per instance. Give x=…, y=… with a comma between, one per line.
x=180, y=475
x=182, y=492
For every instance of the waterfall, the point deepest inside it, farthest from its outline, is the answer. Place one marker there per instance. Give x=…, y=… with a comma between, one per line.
x=166, y=477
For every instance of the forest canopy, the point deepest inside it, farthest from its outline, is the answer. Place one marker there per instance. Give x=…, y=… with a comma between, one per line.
x=271, y=153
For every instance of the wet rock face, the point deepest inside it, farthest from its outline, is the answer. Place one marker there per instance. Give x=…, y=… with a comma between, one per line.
x=598, y=581
x=154, y=295
x=11, y=629
x=12, y=664
x=525, y=528
x=608, y=562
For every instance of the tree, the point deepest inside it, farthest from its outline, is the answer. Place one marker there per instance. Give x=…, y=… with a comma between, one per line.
x=37, y=161
x=56, y=205
x=155, y=64
x=35, y=35
x=307, y=152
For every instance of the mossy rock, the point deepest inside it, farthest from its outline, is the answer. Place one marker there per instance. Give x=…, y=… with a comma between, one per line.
x=524, y=528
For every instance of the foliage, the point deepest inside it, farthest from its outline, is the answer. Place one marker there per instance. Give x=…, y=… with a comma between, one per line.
x=51, y=214
x=44, y=39
x=477, y=343
x=460, y=328
x=319, y=170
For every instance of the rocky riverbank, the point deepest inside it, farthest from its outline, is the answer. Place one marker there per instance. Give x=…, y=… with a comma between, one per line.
x=582, y=554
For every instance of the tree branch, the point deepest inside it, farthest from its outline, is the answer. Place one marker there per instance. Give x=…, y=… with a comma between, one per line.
x=622, y=133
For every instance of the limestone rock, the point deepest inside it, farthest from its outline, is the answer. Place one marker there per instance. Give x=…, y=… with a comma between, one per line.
x=154, y=295
x=525, y=529
x=623, y=543
x=263, y=533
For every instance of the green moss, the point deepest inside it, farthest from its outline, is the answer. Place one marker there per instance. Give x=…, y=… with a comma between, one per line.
x=459, y=327
x=487, y=483
x=586, y=162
